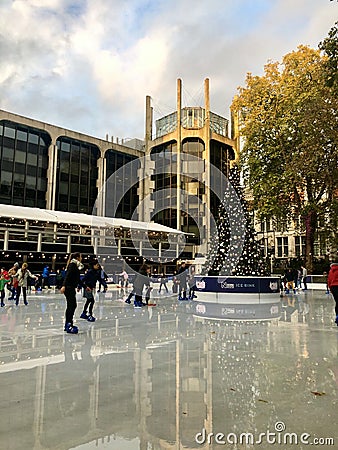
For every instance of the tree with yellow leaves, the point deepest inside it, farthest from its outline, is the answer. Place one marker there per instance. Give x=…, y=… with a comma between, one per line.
x=288, y=121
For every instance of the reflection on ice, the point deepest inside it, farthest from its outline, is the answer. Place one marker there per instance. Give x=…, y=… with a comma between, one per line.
x=156, y=377
x=236, y=311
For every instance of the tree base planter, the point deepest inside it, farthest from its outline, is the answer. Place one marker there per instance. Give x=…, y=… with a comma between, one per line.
x=237, y=298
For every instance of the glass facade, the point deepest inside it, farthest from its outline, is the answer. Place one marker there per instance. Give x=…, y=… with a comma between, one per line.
x=23, y=165
x=166, y=204
x=118, y=184
x=193, y=118
x=219, y=124
x=220, y=157
x=192, y=190
x=166, y=124
x=76, y=175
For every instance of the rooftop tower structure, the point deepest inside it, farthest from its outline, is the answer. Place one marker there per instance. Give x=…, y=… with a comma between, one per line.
x=174, y=190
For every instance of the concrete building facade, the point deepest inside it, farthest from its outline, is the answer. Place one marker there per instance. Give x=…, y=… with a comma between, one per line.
x=189, y=200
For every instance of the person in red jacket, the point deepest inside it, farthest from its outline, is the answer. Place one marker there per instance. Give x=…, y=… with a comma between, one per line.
x=332, y=283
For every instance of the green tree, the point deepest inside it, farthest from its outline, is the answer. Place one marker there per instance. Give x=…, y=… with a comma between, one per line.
x=330, y=48
x=288, y=119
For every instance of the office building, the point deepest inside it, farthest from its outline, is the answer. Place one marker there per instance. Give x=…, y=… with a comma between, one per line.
x=53, y=182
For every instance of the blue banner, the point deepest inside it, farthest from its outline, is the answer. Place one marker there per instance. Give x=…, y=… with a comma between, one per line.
x=237, y=285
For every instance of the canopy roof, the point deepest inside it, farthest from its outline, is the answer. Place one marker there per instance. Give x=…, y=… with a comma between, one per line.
x=45, y=215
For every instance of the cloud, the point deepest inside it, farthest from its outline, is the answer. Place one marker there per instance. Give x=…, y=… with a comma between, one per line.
x=88, y=65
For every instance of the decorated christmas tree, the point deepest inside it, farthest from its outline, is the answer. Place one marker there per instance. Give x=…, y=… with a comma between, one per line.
x=220, y=260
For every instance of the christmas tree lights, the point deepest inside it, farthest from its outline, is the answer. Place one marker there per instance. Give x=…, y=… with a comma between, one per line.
x=220, y=260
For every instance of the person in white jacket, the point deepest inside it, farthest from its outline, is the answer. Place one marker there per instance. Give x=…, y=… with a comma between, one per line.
x=304, y=275
x=23, y=275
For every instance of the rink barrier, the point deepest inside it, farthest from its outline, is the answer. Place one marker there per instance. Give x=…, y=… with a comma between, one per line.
x=237, y=290
x=237, y=298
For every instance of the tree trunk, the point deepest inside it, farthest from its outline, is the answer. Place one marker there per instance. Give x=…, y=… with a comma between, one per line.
x=310, y=230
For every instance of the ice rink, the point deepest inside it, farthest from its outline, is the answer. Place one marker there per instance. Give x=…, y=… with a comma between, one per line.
x=161, y=378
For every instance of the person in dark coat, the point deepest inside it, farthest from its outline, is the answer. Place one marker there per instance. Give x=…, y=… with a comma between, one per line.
x=182, y=276
x=289, y=276
x=92, y=276
x=70, y=284
x=103, y=280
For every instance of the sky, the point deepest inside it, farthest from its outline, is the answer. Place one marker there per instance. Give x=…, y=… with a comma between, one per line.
x=88, y=65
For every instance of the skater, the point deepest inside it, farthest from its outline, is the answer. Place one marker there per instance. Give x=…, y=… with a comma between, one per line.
x=304, y=275
x=141, y=280
x=123, y=279
x=289, y=276
x=89, y=281
x=14, y=281
x=59, y=279
x=175, y=283
x=45, y=277
x=163, y=282
x=4, y=279
x=192, y=284
x=332, y=282
x=70, y=284
x=23, y=275
x=182, y=276
x=103, y=280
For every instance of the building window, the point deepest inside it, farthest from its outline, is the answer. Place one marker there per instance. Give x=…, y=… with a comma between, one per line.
x=123, y=185
x=281, y=225
x=24, y=159
x=300, y=245
x=321, y=247
x=282, y=247
x=76, y=172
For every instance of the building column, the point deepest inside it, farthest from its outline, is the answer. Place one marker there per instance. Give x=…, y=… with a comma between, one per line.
x=69, y=244
x=206, y=222
x=146, y=185
x=39, y=245
x=6, y=239
x=101, y=186
x=179, y=165
x=51, y=176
